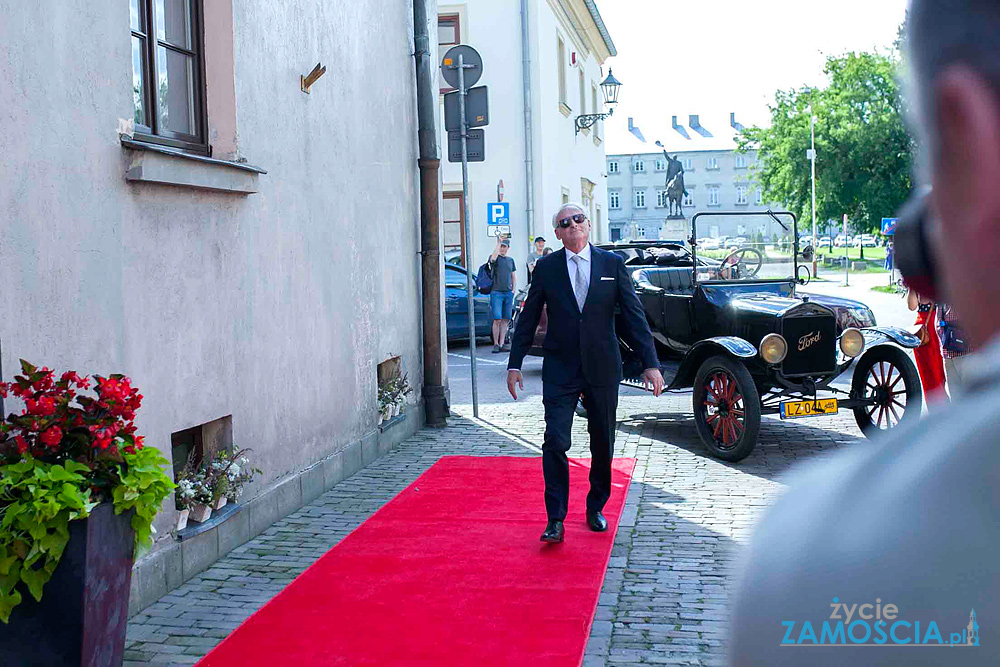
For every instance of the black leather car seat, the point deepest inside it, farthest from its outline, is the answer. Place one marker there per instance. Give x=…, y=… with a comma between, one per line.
x=675, y=280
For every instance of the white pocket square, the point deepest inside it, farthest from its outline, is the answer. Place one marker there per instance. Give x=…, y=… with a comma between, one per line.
x=607, y=277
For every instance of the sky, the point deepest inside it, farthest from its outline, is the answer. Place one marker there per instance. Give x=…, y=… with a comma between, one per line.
x=713, y=57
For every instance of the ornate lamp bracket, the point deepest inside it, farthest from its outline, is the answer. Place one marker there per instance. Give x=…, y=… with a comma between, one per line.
x=586, y=120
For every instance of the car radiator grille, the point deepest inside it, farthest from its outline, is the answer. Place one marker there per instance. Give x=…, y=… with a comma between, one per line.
x=812, y=345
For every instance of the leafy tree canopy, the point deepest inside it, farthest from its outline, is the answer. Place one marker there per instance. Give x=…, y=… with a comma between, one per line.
x=864, y=153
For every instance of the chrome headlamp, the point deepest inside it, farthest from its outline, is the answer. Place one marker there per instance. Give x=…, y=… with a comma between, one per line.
x=773, y=348
x=852, y=342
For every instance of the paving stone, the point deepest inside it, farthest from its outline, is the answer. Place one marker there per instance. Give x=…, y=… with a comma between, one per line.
x=665, y=598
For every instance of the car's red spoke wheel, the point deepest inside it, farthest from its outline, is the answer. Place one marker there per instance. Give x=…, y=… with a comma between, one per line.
x=888, y=382
x=724, y=409
x=727, y=408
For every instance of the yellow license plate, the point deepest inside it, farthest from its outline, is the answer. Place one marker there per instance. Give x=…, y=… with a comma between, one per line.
x=822, y=406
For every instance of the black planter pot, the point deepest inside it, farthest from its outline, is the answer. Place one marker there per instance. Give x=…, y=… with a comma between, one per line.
x=81, y=619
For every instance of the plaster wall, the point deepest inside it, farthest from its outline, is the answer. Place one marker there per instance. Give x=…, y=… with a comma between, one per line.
x=561, y=158
x=274, y=307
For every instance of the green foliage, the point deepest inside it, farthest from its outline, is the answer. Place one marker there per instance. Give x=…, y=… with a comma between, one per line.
x=864, y=154
x=143, y=486
x=37, y=502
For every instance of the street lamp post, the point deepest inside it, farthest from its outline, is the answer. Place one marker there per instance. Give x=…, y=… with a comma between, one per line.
x=811, y=153
x=609, y=89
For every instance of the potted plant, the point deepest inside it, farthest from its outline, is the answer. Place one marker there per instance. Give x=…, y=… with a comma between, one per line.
x=183, y=499
x=385, y=400
x=229, y=472
x=201, y=507
x=402, y=390
x=78, y=494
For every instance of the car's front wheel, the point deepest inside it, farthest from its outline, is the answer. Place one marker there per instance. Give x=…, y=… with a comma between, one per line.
x=887, y=377
x=726, y=408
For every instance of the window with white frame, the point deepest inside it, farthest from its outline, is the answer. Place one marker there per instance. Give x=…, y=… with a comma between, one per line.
x=613, y=166
x=638, y=166
x=661, y=165
x=614, y=200
x=688, y=164
x=741, y=194
x=593, y=105
x=759, y=197
x=640, y=199
x=712, y=163
x=713, y=195
x=661, y=198
x=583, y=93
x=640, y=232
x=689, y=198
x=741, y=161
x=561, y=65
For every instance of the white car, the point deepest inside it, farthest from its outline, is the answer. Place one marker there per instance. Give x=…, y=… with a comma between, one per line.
x=865, y=240
x=841, y=241
x=736, y=243
x=710, y=244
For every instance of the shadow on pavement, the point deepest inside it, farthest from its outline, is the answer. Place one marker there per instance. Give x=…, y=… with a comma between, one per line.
x=781, y=444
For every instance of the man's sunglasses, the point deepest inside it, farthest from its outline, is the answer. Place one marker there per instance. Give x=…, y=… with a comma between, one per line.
x=578, y=219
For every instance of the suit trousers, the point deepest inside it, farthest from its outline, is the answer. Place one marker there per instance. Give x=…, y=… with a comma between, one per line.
x=601, y=404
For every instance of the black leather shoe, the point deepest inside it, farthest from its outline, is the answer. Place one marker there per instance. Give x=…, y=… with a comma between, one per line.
x=597, y=522
x=553, y=531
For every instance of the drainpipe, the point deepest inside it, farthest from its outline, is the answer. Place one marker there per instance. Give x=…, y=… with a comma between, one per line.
x=435, y=364
x=529, y=178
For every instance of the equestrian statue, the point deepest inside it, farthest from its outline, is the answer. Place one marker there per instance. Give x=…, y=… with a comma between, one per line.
x=675, y=186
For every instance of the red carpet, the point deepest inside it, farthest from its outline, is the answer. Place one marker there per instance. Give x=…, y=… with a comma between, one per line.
x=450, y=572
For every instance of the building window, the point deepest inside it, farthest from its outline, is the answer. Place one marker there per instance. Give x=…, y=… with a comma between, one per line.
x=640, y=199
x=614, y=200
x=167, y=73
x=453, y=222
x=689, y=198
x=561, y=64
x=638, y=166
x=712, y=163
x=713, y=195
x=741, y=194
x=583, y=93
x=612, y=166
x=688, y=164
x=661, y=198
x=741, y=161
x=449, y=35
x=759, y=197
x=640, y=232
x=661, y=165
x=593, y=104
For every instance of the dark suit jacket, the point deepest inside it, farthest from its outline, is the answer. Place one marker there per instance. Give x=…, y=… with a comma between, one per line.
x=583, y=342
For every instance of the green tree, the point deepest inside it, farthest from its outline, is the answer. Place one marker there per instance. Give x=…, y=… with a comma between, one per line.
x=864, y=153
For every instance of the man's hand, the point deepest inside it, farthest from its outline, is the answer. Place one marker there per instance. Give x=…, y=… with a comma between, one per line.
x=651, y=377
x=515, y=380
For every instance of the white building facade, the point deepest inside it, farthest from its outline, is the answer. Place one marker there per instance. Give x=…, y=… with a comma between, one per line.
x=715, y=180
x=568, y=43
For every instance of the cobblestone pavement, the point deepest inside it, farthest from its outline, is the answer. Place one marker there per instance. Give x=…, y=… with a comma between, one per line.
x=664, y=600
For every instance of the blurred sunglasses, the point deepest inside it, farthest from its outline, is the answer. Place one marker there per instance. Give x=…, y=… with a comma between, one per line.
x=577, y=218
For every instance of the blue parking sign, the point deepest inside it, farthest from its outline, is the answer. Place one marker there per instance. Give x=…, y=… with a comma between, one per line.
x=498, y=213
x=889, y=226
x=498, y=218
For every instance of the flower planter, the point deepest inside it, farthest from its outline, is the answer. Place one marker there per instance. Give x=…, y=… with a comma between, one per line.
x=182, y=519
x=84, y=608
x=200, y=513
x=220, y=503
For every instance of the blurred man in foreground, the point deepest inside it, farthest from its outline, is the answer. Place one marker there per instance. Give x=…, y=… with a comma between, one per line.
x=889, y=551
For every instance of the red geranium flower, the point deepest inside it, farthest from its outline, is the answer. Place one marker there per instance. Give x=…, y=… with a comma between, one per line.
x=51, y=437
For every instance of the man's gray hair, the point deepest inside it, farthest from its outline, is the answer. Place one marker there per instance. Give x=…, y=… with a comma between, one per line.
x=945, y=32
x=559, y=214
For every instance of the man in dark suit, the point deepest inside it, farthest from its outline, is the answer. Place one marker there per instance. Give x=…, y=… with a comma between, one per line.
x=581, y=286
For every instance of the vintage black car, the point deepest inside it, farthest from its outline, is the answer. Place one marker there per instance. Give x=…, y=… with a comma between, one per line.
x=733, y=329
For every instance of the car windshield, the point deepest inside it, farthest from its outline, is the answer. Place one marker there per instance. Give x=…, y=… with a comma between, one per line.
x=764, y=249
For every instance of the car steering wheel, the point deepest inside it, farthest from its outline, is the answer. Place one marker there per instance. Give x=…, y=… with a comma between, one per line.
x=738, y=260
